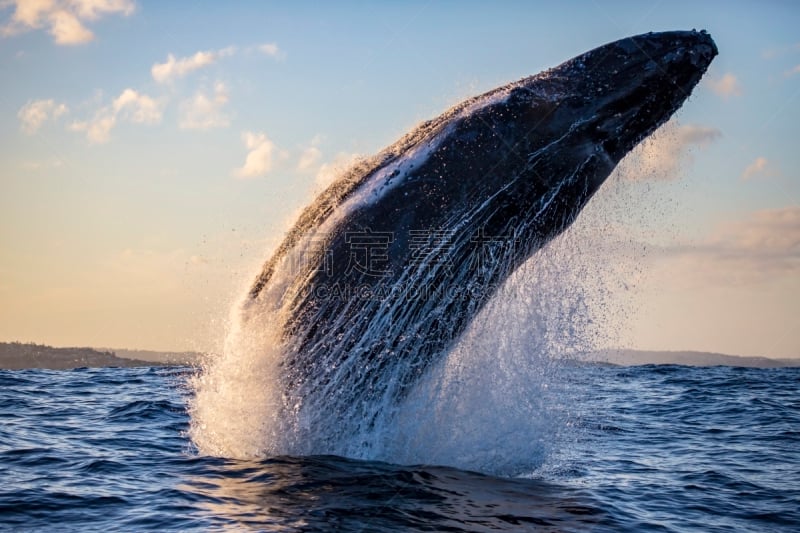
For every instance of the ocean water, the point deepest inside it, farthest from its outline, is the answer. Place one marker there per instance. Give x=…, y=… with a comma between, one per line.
x=652, y=448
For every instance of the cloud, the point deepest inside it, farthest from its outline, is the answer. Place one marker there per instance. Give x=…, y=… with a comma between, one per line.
x=36, y=112
x=328, y=172
x=779, y=51
x=768, y=231
x=259, y=157
x=174, y=67
x=270, y=49
x=325, y=173
x=665, y=154
x=761, y=247
x=130, y=105
x=67, y=29
x=726, y=86
x=197, y=260
x=138, y=108
x=98, y=129
x=63, y=19
x=309, y=159
x=35, y=166
x=310, y=156
x=203, y=111
x=94, y=9
x=761, y=167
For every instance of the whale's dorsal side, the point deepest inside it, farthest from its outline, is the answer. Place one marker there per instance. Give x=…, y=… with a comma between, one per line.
x=390, y=263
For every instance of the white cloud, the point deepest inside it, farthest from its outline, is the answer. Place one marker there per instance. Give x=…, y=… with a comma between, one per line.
x=98, y=129
x=197, y=260
x=203, y=112
x=130, y=105
x=761, y=167
x=35, y=113
x=30, y=13
x=67, y=29
x=779, y=51
x=310, y=156
x=270, y=49
x=793, y=71
x=259, y=157
x=726, y=86
x=138, y=108
x=328, y=172
x=325, y=173
x=94, y=9
x=63, y=19
x=35, y=166
x=309, y=159
x=174, y=67
x=666, y=153
x=761, y=247
x=767, y=231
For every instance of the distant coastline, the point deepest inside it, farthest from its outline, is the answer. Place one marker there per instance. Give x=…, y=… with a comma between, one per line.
x=19, y=356
x=622, y=357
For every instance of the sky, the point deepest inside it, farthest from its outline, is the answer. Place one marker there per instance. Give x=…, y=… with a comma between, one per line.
x=152, y=153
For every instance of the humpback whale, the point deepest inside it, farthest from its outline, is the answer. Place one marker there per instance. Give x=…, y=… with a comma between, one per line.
x=386, y=268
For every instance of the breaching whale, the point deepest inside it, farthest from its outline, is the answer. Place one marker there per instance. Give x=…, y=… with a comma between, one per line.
x=385, y=269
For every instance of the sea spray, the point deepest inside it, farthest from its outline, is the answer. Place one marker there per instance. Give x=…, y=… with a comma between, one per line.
x=495, y=403
x=238, y=410
x=465, y=379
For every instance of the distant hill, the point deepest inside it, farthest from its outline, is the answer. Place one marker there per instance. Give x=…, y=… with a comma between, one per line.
x=162, y=358
x=18, y=356
x=640, y=357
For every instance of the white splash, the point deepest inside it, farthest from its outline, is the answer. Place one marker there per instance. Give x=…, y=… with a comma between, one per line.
x=496, y=403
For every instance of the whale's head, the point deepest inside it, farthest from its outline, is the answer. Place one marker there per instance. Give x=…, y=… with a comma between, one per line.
x=542, y=146
x=617, y=94
x=626, y=89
